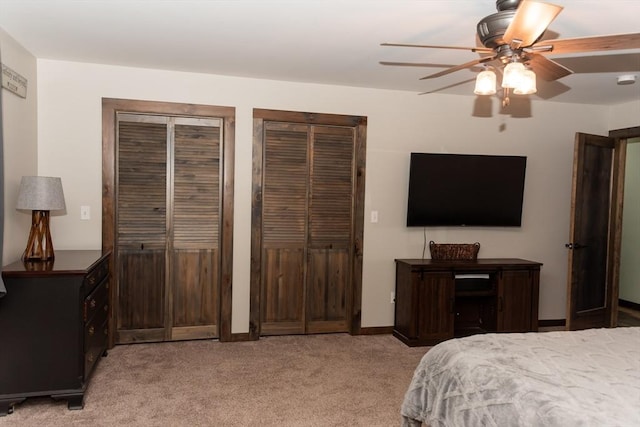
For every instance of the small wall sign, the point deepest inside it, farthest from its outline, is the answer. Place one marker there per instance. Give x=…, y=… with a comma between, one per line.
x=14, y=82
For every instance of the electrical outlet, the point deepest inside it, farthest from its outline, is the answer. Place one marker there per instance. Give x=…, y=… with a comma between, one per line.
x=374, y=216
x=85, y=212
x=393, y=297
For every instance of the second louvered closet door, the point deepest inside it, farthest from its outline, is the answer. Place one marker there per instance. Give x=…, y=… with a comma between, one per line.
x=307, y=214
x=168, y=221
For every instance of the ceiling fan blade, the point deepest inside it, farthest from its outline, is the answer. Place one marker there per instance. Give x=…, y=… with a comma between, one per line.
x=531, y=19
x=427, y=46
x=590, y=44
x=460, y=67
x=415, y=64
x=547, y=69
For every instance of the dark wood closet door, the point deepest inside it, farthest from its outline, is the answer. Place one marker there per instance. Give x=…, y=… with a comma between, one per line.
x=284, y=228
x=308, y=180
x=195, y=254
x=141, y=228
x=168, y=228
x=330, y=229
x=167, y=218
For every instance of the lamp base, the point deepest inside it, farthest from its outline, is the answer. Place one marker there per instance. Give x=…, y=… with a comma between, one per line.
x=39, y=245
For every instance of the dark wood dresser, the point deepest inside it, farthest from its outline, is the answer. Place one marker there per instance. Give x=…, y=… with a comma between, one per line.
x=53, y=327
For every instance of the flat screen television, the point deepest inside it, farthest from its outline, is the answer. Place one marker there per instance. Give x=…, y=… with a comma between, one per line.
x=465, y=190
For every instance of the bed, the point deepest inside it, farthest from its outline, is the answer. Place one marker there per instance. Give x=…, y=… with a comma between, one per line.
x=563, y=379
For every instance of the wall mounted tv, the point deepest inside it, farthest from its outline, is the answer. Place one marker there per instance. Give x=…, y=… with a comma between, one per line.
x=465, y=189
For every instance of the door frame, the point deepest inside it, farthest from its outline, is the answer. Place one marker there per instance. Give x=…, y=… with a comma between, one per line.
x=110, y=108
x=619, y=138
x=359, y=123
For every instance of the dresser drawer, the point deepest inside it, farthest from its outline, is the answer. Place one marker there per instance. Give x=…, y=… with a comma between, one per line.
x=96, y=331
x=96, y=344
x=96, y=275
x=98, y=300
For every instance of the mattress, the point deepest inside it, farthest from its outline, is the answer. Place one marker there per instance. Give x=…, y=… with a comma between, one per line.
x=564, y=378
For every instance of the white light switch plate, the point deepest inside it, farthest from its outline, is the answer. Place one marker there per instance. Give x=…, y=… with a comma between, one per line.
x=85, y=212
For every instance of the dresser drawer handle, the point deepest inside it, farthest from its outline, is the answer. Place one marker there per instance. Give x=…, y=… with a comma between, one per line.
x=92, y=280
x=90, y=357
x=91, y=331
x=93, y=303
x=106, y=308
x=106, y=331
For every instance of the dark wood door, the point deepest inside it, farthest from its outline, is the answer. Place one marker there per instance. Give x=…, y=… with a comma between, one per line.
x=330, y=239
x=195, y=229
x=141, y=229
x=168, y=210
x=284, y=228
x=167, y=218
x=589, y=284
x=307, y=228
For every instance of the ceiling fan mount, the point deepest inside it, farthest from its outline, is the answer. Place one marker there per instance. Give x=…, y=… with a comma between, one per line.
x=491, y=28
x=507, y=4
x=514, y=33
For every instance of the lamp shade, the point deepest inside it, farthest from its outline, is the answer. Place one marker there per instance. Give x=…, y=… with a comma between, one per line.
x=512, y=75
x=527, y=84
x=485, y=83
x=42, y=193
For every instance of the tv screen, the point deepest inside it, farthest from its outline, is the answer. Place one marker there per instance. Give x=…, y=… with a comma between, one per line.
x=465, y=189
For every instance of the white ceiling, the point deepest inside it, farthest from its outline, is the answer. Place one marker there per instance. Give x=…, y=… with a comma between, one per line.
x=321, y=41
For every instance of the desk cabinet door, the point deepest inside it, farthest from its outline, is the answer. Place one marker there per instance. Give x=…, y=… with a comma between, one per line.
x=515, y=291
x=436, y=299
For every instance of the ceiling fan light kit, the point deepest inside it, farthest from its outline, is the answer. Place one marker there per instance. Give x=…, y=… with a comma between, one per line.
x=512, y=44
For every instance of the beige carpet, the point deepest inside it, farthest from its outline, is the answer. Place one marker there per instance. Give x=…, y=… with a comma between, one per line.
x=317, y=380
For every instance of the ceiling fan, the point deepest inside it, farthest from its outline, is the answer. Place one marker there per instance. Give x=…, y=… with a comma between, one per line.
x=513, y=45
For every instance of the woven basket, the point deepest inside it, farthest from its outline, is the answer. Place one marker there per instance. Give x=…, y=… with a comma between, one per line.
x=454, y=251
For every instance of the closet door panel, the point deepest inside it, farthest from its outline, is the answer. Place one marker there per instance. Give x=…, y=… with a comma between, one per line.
x=141, y=225
x=195, y=225
x=284, y=225
x=195, y=299
x=330, y=225
x=328, y=272
x=283, y=291
x=141, y=295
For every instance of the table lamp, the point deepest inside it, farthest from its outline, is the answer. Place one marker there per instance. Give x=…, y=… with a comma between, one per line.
x=40, y=194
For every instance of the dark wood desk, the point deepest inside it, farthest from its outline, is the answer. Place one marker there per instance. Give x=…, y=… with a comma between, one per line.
x=438, y=300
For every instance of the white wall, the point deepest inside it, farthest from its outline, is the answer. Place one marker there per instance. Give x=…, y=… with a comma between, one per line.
x=20, y=145
x=624, y=115
x=629, y=266
x=69, y=127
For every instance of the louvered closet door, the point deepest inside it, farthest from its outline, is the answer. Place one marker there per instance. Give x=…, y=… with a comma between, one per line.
x=284, y=228
x=168, y=218
x=141, y=227
x=330, y=229
x=306, y=225
x=196, y=217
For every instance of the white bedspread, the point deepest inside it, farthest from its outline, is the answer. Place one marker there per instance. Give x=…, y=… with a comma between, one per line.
x=563, y=379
